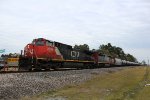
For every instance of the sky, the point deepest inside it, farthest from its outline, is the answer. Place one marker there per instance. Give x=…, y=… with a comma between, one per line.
x=123, y=23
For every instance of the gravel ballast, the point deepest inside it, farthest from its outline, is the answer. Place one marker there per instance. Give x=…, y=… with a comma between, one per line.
x=16, y=85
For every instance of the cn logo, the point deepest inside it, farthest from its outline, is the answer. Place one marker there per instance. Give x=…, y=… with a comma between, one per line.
x=31, y=51
x=75, y=54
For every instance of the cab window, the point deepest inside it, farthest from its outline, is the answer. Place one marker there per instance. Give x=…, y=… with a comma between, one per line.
x=39, y=43
x=48, y=43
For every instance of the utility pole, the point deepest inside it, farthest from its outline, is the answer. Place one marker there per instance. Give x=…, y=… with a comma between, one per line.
x=148, y=62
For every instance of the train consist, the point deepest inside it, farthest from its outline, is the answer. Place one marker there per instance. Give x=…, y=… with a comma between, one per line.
x=46, y=54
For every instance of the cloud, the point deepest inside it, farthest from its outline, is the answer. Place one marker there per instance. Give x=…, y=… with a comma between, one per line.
x=123, y=23
x=140, y=54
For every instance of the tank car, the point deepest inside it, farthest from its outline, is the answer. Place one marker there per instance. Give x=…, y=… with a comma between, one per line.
x=118, y=62
x=124, y=62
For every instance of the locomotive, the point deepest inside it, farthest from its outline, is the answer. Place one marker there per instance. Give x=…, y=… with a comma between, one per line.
x=46, y=54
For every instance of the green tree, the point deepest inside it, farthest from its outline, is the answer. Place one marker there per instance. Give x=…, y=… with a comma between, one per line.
x=83, y=47
x=130, y=57
x=115, y=52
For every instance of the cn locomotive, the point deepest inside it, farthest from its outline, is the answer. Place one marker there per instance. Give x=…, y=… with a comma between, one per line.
x=46, y=54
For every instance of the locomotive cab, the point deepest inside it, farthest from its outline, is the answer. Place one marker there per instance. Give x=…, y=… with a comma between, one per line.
x=42, y=49
x=42, y=42
x=38, y=54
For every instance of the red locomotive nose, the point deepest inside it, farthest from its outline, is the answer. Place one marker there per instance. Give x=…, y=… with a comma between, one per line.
x=41, y=48
x=44, y=52
x=28, y=50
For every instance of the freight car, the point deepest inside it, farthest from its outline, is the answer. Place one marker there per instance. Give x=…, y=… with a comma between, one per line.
x=105, y=61
x=12, y=62
x=118, y=62
x=46, y=54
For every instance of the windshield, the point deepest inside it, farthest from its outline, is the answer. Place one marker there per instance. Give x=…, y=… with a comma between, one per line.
x=38, y=42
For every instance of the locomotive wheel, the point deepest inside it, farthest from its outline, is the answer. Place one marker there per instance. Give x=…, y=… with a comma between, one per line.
x=37, y=69
x=47, y=69
x=24, y=68
x=56, y=66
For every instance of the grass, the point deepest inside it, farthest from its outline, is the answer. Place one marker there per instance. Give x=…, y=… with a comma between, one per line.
x=127, y=84
x=144, y=94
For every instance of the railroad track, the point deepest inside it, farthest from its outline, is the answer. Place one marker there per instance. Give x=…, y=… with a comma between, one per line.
x=33, y=71
x=59, y=69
